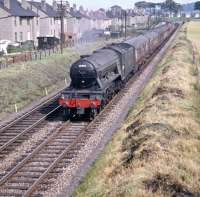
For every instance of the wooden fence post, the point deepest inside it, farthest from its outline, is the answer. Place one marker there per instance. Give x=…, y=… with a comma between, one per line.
x=65, y=81
x=6, y=64
x=16, y=109
x=46, y=92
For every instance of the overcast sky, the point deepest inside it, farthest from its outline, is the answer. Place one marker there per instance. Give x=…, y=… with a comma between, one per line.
x=95, y=4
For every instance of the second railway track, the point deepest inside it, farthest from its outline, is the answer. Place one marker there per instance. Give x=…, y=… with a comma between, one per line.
x=55, y=151
x=19, y=130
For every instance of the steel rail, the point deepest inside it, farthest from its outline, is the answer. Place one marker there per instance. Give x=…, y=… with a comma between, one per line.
x=39, y=106
x=27, y=130
x=17, y=167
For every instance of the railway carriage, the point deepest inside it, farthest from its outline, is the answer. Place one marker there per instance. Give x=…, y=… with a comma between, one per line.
x=140, y=46
x=154, y=42
x=96, y=78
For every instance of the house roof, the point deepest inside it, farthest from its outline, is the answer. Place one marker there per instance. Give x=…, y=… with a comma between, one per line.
x=17, y=10
x=116, y=6
x=49, y=11
x=78, y=14
x=75, y=14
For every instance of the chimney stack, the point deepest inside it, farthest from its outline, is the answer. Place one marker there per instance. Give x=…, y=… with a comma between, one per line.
x=43, y=4
x=6, y=3
x=24, y=4
x=74, y=7
x=67, y=6
x=81, y=9
x=55, y=6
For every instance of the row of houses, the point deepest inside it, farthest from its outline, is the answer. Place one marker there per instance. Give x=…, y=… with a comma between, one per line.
x=22, y=20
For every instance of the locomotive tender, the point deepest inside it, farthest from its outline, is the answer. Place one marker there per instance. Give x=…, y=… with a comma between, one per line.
x=96, y=78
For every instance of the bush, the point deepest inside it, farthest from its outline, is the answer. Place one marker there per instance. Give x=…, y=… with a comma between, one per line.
x=28, y=45
x=13, y=49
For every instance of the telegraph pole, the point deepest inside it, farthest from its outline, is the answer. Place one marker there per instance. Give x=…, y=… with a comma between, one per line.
x=125, y=24
x=62, y=8
x=62, y=27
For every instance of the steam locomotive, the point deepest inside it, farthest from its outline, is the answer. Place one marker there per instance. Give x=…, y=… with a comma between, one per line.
x=96, y=78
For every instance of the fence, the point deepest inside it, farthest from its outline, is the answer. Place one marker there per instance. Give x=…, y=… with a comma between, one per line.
x=39, y=54
x=6, y=61
x=27, y=56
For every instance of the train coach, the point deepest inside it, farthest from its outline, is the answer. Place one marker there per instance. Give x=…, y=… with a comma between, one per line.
x=96, y=78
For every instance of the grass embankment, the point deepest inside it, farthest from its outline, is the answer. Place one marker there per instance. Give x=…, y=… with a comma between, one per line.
x=23, y=83
x=157, y=151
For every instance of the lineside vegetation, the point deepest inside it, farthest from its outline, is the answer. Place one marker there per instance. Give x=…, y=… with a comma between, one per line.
x=157, y=151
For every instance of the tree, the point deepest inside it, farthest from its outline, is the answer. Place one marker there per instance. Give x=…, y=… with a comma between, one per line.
x=171, y=6
x=197, y=5
x=144, y=4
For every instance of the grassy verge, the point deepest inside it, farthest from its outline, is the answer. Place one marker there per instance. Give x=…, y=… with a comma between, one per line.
x=157, y=151
x=23, y=83
x=194, y=33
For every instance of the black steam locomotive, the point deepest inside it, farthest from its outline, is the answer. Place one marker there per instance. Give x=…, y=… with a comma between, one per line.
x=96, y=78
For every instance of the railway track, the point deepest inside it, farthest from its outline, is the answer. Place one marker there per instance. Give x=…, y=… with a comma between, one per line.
x=39, y=168
x=19, y=130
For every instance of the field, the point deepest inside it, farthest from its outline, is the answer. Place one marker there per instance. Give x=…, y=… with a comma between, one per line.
x=194, y=33
x=21, y=84
x=157, y=151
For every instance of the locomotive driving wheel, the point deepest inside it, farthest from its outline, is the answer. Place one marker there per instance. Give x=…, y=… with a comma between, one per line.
x=93, y=113
x=66, y=114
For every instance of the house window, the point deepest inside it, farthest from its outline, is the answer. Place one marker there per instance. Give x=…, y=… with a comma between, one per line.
x=20, y=21
x=21, y=36
x=15, y=36
x=15, y=21
x=37, y=22
x=28, y=21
